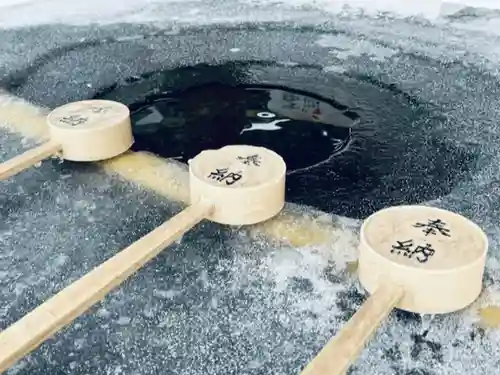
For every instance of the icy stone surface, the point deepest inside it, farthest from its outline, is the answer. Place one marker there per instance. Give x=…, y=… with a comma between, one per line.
x=220, y=302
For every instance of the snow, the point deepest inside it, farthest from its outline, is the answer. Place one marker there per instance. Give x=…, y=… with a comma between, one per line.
x=15, y=13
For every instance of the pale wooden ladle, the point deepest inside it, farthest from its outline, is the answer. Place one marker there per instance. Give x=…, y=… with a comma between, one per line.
x=415, y=258
x=88, y=130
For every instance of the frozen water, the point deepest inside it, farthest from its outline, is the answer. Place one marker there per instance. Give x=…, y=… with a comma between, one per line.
x=224, y=301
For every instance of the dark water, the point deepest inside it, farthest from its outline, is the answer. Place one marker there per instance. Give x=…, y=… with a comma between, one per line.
x=183, y=124
x=352, y=155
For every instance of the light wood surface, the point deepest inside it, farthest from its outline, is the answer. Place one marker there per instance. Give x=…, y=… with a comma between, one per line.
x=437, y=256
x=245, y=183
x=338, y=354
x=268, y=178
x=416, y=258
x=44, y=321
x=21, y=162
x=91, y=130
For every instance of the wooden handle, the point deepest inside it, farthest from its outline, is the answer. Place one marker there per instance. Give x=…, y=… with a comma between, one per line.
x=28, y=159
x=336, y=357
x=44, y=321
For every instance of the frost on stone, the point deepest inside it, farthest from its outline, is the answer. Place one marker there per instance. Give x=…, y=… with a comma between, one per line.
x=237, y=301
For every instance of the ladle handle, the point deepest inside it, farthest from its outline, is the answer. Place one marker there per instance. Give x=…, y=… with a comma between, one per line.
x=28, y=159
x=44, y=321
x=336, y=357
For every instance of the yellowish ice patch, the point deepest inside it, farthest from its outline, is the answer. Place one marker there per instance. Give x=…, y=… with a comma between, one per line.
x=489, y=316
